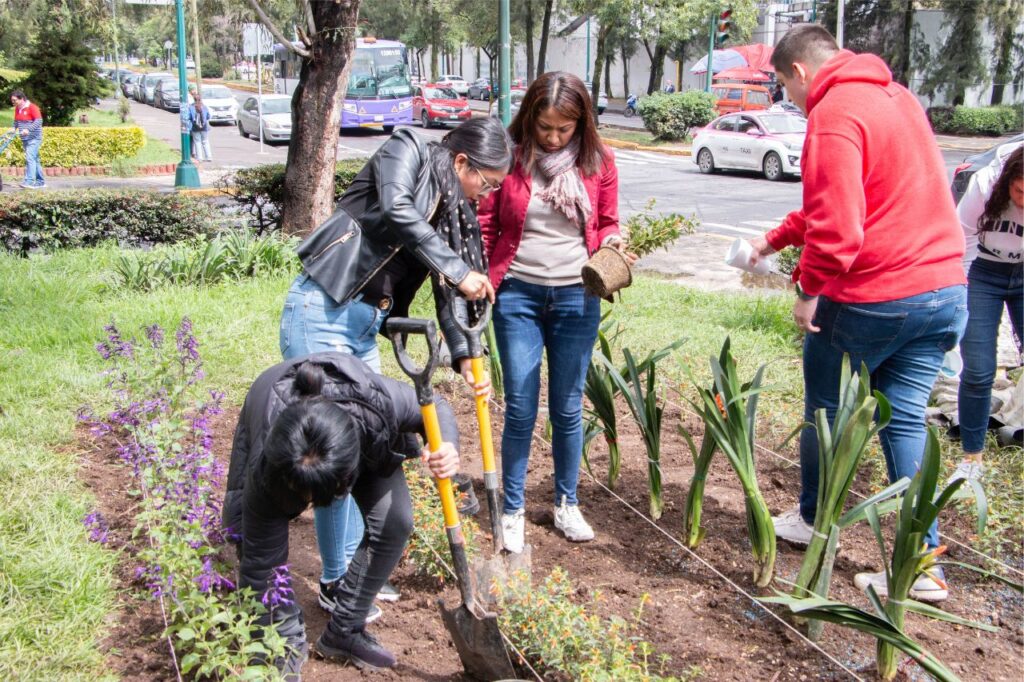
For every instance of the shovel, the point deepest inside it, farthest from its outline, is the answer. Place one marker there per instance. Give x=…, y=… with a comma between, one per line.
x=474, y=630
x=498, y=568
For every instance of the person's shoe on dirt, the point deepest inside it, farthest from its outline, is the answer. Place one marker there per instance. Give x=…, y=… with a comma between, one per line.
x=930, y=587
x=791, y=527
x=468, y=503
x=357, y=647
x=389, y=593
x=570, y=521
x=967, y=469
x=512, y=530
x=328, y=599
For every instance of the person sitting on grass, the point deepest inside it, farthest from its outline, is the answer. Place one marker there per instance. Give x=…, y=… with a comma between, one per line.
x=313, y=429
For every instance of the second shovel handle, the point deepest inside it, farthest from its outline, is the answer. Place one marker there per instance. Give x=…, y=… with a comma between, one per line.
x=483, y=418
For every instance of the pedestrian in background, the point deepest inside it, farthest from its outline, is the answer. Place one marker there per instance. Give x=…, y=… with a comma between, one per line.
x=881, y=274
x=992, y=216
x=669, y=87
x=28, y=121
x=777, y=93
x=559, y=204
x=199, y=118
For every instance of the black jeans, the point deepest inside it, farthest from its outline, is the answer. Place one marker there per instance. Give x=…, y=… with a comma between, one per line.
x=387, y=513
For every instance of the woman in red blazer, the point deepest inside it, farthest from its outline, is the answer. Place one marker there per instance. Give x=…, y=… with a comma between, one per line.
x=558, y=204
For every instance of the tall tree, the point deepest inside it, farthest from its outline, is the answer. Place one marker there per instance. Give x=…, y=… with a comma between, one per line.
x=528, y=29
x=327, y=40
x=959, y=63
x=1008, y=53
x=545, y=32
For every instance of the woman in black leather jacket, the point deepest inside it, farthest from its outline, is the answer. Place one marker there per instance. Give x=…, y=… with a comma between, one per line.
x=313, y=428
x=409, y=213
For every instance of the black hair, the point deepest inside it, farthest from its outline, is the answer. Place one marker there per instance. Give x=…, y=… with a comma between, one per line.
x=484, y=141
x=805, y=43
x=313, y=451
x=999, y=199
x=20, y=94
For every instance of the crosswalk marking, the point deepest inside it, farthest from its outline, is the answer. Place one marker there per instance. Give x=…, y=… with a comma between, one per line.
x=766, y=224
x=733, y=228
x=642, y=158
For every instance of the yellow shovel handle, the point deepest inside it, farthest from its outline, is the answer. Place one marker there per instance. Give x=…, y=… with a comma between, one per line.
x=444, y=485
x=483, y=418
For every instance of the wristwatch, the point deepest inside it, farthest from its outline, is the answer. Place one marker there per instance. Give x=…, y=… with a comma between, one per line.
x=803, y=295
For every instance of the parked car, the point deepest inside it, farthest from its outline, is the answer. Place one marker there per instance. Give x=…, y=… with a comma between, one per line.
x=479, y=89
x=222, y=104
x=147, y=86
x=515, y=99
x=766, y=141
x=456, y=83
x=129, y=84
x=277, y=118
x=602, y=99
x=434, y=105
x=734, y=97
x=972, y=164
x=786, y=108
x=166, y=95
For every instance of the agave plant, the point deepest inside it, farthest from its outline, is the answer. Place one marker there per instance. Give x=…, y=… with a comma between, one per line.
x=729, y=409
x=695, y=495
x=600, y=391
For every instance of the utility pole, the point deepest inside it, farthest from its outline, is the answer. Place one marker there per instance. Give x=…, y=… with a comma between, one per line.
x=195, y=59
x=117, y=61
x=504, y=63
x=186, y=175
x=588, y=51
x=711, y=49
x=839, y=22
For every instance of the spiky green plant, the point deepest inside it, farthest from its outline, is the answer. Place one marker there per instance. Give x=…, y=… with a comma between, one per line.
x=695, y=495
x=729, y=412
x=600, y=391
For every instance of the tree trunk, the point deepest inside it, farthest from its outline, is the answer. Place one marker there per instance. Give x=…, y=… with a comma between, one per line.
x=528, y=26
x=602, y=44
x=462, y=65
x=316, y=116
x=608, y=73
x=625, y=72
x=478, y=74
x=545, y=30
x=657, y=68
x=901, y=67
x=1004, y=55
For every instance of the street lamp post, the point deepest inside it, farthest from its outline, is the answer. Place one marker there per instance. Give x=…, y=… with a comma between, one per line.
x=504, y=63
x=186, y=174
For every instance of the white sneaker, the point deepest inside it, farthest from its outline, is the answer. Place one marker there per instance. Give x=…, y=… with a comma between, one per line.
x=792, y=528
x=967, y=469
x=512, y=530
x=925, y=588
x=570, y=521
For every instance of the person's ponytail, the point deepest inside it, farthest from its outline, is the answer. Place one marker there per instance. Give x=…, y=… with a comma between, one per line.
x=309, y=380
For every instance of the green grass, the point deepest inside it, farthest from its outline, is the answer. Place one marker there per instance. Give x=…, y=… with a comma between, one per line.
x=638, y=137
x=154, y=151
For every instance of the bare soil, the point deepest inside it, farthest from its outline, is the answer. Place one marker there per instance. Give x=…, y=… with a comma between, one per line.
x=699, y=617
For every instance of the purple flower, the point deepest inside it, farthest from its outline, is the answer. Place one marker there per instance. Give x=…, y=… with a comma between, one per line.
x=98, y=529
x=155, y=335
x=210, y=580
x=280, y=592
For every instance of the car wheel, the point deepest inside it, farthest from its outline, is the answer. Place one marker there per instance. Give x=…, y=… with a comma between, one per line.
x=388, y=129
x=425, y=120
x=772, y=166
x=705, y=161
x=241, y=131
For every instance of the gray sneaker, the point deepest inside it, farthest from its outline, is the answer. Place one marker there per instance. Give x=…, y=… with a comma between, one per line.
x=570, y=521
x=968, y=470
x=791, y=527
x=927, y=588
x=513, y=530
x=357, y=647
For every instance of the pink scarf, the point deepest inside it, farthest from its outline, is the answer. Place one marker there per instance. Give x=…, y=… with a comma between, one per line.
x=565, y=191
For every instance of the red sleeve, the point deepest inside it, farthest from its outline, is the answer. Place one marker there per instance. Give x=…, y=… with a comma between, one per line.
x=33, y=112
x=789, y=233
x=608, y=199
x=834, y=209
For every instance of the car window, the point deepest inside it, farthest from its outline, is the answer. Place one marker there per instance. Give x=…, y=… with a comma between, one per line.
x=728, y=123
x=439, y=93
x=250, y=104
x=757, y=97
x=719, y=93
x=216, y=92
x=784, y=123
x=747, y=124
x=734, y=93
x=277, y=106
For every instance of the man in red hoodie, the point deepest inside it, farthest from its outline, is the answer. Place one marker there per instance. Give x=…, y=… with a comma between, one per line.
x=880, y=276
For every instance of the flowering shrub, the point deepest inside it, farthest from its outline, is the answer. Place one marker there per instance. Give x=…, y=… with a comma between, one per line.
x=428, y=545
x=163, y=436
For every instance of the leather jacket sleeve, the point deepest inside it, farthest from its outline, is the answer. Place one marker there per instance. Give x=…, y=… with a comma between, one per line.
x=449, y=305
x=397, y=167
x=407, y=411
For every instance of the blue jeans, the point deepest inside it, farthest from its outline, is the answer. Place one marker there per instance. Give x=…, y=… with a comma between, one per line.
x=902, y=342
x=33, y=169
x=312, y=322
x=990, y=286
x=530, y=319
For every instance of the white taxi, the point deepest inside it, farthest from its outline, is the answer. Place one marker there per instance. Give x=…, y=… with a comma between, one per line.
x=769, y=142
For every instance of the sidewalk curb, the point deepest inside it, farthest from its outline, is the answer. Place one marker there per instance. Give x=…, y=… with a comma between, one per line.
x=633, y=146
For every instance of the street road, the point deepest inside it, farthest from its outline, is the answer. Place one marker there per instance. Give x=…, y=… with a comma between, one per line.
x=734, y=204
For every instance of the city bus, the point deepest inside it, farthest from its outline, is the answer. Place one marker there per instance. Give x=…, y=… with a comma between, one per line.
x=379, y=90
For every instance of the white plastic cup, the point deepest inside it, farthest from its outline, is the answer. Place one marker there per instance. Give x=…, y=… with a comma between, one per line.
x=952, y=363
x=740, y=253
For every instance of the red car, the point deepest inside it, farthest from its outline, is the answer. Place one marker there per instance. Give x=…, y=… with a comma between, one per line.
x=434, y=105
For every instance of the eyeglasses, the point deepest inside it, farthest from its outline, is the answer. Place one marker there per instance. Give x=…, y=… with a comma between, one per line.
x=487, y=186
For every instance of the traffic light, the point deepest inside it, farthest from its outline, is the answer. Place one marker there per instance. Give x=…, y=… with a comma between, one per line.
x=724, y=26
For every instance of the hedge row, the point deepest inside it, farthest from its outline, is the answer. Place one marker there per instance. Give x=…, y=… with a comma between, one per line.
x=67, y=147
x=671, y=116
x=73, y=218
x=976, y=120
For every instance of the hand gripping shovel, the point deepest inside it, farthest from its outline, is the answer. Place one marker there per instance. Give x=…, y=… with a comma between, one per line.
x=489, y=572
x=474, y=630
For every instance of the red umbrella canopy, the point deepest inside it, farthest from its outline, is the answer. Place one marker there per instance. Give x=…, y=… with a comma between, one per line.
x=758, y=55
x=742, y=73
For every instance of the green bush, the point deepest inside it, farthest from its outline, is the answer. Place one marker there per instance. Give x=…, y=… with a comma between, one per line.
x=76, y=218
x=671, y=116
x=976, y=120
x=259, y=190
x=787, y=259
x=67, y=147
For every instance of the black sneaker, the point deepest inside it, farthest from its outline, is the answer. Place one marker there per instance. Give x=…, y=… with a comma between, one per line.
x=388, y=593
x=359, y=648
x=328, y=600
x=468, y=505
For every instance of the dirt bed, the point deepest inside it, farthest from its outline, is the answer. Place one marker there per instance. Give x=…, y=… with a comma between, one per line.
x=694, y=616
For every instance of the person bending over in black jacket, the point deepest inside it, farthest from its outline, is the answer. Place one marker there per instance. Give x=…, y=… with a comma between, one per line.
x=312, y=429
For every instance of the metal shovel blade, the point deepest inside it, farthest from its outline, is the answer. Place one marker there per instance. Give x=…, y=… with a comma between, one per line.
x=478, y=641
